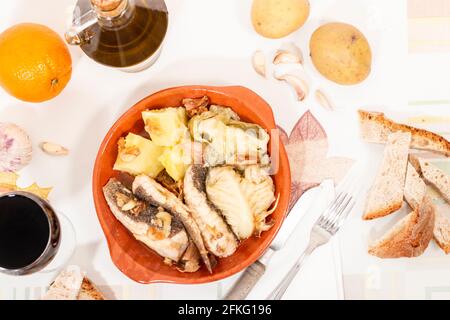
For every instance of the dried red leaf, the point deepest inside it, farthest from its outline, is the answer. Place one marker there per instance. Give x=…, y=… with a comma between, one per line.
x=307, y=148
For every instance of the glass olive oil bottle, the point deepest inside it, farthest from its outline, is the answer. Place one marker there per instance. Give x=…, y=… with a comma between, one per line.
x=124, y=34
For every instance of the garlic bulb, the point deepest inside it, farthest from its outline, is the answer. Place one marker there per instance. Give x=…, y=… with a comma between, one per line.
x=15, y=148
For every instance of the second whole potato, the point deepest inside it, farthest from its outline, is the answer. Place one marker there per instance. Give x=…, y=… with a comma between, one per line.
x=341, y=53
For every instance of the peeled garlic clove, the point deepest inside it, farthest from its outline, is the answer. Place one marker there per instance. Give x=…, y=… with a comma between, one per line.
x=300, y=86
x=259, y=63
x=15, y=148
x=54, y=149
x=323, y=100
x=290, y=53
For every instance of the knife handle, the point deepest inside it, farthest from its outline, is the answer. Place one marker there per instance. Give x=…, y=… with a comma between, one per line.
x=246, y=282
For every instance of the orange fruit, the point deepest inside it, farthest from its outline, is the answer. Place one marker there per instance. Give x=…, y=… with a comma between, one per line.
x=35, y=64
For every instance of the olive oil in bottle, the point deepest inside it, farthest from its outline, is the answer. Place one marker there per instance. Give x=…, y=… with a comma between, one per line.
x=125, y=34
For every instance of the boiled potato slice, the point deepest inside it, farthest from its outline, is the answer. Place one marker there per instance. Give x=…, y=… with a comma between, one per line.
x=278, y=18
x=341, y=53
x=166, y=127
x=175, y=161
x=138, y=155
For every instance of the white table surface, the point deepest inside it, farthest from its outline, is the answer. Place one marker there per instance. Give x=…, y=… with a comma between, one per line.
x=209, y=42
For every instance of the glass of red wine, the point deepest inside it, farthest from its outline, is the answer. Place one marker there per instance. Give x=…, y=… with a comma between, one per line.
x=31, y=235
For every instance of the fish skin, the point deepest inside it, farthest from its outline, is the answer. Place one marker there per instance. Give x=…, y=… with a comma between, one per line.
x=142, y=221
x=218, y=237
x=149, y=190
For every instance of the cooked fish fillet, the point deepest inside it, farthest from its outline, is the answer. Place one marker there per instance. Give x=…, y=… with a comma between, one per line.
x=157, y=229
x=151, y=191
x=219, y=239
x=190, y=261
x=244, y=201
x=224, y=190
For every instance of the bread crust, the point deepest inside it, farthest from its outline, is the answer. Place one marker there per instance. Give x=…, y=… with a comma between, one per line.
x=444, y=246
x=421, y=139
x=441, y=230
x=381, y=213
x=89, y=292
x=410, y=236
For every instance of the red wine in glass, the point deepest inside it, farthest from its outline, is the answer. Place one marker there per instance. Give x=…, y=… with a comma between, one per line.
x=30, y=233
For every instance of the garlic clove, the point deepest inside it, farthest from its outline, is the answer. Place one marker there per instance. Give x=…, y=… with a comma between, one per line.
x=323, y=100
x=259, y=63
x=15, y=148
x=54, y=149
x=290, y=53
x=300, y=86
x=286, y=57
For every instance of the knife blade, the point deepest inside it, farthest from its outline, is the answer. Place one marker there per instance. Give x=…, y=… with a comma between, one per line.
x=311, y=202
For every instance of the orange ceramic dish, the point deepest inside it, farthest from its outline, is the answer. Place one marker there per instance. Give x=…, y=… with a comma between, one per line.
x=132, y=257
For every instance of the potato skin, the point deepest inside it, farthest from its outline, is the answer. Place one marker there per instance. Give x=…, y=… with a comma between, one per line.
x=341, y=53
x=278, y=18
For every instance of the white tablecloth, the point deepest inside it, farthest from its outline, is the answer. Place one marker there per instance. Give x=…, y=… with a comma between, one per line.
x=209, y=42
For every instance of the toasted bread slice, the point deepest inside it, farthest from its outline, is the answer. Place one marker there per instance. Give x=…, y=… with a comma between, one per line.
x=89, y=292
x=432, y=175
x=66, y=285
x=386, y=194
x=415, y=187
x=375, y=128
x=439, y=181
x=410, y=236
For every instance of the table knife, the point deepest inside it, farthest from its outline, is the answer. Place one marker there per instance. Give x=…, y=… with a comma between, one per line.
x=313, y=200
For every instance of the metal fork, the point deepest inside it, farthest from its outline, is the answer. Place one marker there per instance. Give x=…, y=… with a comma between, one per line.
x=324, y=228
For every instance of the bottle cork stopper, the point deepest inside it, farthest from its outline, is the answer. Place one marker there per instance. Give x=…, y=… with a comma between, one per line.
x=106, y=5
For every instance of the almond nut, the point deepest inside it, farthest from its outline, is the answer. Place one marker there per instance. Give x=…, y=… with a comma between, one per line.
x=54, y=149
x=130, y=205
x=121, y=199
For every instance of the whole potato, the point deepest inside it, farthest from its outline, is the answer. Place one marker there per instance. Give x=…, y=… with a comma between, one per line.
x=341, y=53
x=278, y=18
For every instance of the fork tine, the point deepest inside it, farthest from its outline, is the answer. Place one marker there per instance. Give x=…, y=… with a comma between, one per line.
x=324, y=217
x=335, y=203
x=334, y=209
x=343, y=203
x=344, y=215
x=340, y=211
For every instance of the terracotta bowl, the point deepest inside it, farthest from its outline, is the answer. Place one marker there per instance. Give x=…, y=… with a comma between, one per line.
x=133, y=258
